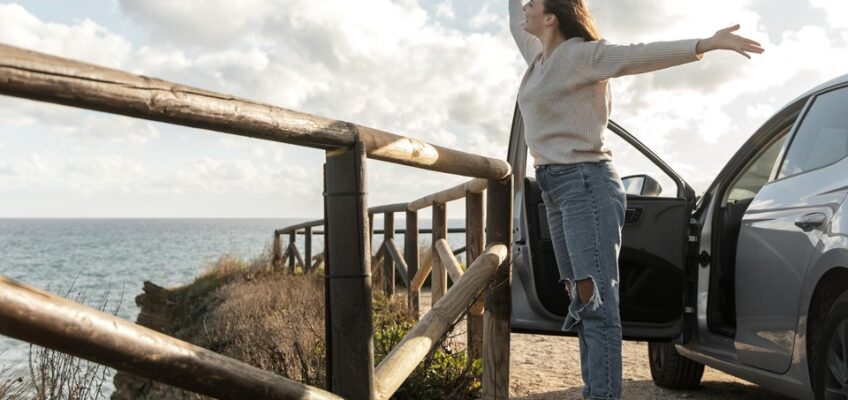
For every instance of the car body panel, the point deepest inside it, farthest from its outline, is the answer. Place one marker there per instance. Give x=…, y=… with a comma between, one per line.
x=775, y=254
x=787, y=384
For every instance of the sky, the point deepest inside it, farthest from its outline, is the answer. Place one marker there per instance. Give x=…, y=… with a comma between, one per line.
x=442, y=71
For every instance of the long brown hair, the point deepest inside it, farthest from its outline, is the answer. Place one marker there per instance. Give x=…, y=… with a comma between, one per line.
x=574, y=18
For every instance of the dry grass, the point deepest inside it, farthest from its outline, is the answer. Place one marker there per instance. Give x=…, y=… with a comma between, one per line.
x=13, y=382
x=249, y=311
x=274, y=320
x=49, y=374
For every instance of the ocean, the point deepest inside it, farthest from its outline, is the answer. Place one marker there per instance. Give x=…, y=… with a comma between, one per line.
x=111, y=258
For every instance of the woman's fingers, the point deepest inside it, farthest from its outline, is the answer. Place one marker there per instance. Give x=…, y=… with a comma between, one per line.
x=752, y=42
x=753, y=49
x=725, y=39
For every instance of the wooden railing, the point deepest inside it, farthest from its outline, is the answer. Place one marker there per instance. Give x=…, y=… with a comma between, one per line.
x=413, y=268
x=37, y=317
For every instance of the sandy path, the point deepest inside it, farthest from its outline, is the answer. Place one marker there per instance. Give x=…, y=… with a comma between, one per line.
x=548, y=368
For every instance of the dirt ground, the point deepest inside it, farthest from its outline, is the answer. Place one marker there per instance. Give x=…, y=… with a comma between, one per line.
x=548, y=368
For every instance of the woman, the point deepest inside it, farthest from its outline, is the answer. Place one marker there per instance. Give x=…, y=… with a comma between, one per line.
x=564, y=99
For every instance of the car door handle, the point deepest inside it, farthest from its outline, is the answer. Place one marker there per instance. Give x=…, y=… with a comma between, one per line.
x=810, y=221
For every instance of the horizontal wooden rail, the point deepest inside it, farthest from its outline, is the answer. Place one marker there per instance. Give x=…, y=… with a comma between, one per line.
x=403, y=359
x=43, y=77
x=299, y=226
x=380, y=232
x=51, y=321
x=389, y=208
x=454, y=193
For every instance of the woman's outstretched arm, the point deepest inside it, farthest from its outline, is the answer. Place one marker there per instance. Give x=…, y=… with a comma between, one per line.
x=600, y=60
x=528, y=44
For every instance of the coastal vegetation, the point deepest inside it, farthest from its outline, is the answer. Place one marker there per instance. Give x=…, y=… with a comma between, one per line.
x=257, y=313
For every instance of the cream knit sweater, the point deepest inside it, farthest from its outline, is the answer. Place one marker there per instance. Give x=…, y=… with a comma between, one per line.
x=565, y=99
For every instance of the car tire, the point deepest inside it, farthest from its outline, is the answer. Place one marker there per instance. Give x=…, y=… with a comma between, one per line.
x=832, y=343
x=671, y=370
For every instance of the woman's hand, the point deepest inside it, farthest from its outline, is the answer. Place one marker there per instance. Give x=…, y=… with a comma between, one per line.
x=725, y=40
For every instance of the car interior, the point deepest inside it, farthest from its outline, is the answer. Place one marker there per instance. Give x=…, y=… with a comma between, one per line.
x=657, y=281
x=650, y=270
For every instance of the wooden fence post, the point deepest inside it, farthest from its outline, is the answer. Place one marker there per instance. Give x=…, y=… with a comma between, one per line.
x=350, y=351
x=292, y=242
x=388, y=262
x=410, y=251
x=308, y=249
x=474, y=241
x=496, y=319
x=278, y=250
x=439, y=274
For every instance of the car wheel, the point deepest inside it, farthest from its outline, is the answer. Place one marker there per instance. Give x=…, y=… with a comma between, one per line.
x=830, y=372
x=671, y=370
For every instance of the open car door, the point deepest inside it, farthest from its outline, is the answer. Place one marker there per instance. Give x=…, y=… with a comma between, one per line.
x=653, y=258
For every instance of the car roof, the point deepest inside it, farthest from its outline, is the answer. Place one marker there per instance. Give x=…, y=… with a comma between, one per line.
x=833, y=82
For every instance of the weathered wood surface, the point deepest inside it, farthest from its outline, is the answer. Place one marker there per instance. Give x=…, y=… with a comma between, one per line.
x=307, y=244
x=317, y=260
x=389, y=262
x=399, y=262
x=439, y=280
x=277, y=250
x=448, y=195
x=474, y=241
x=45, y=319
x=377, y=265
x=292, y=250
x=299, y=259
x=448, y=259
x=496, y=319
x=43, y=77
x=296, y=227
x=350, y=350
x=403, y=359
x=410, y=252
x=388, y=208
x=423, y=270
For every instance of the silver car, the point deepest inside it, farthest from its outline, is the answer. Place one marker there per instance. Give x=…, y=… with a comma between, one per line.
x=751, y=278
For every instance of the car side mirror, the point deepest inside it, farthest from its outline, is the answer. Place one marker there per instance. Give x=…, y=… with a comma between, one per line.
x=641, y=185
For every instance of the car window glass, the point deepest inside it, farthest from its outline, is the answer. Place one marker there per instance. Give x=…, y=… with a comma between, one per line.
x=822, y=137
x=629, y=161
x=749, y=183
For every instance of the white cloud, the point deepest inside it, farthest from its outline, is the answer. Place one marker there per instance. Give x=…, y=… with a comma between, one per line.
x=206, y=22
x=445, y=10
x=84, y=40
x=485, y=18
x=392, y=66
x=836, y=11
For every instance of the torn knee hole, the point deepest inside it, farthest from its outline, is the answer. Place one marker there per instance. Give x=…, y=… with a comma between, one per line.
x=587, y=291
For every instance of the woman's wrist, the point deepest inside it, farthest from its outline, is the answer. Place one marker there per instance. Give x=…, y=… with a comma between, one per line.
x=704, y=45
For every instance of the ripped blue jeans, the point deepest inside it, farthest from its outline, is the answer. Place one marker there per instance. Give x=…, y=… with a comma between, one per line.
x=585, y=205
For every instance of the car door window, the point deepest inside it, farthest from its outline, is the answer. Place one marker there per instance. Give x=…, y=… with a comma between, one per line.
x=822, y=137
x=629, y=161
x=749, y=182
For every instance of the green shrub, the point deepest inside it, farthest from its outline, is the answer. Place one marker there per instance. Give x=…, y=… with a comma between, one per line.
x=442, y=374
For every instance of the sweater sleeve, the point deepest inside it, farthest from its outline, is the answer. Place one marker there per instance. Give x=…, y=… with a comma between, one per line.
x=600, y=60
x=528, y=44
